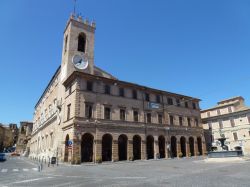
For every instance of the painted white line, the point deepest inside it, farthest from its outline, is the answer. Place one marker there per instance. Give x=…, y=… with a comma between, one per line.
x=15, y=170
x=35, y=169
x=4, y=170
x=24, y=169
x=129, y=177
x=30, y=180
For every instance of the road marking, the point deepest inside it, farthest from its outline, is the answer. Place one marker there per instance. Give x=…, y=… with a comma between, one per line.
x=4, y=170
x=15, y=170
x=24, y=169
x=35, y=169
x=31, y=180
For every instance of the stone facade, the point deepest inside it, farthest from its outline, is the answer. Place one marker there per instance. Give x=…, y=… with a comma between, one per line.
x=89, y=115
x=229, y=119
x=24, y=136
x=6, y=137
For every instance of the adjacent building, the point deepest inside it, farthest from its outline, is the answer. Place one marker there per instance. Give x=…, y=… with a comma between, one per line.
x=229, y=119
x=6, y=137
x=87, y=115
x=24, y=136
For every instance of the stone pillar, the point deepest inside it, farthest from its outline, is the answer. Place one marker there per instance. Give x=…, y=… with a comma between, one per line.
x=156, y=147
x=98, y=150
x=167, y=151
x=195, y=148
x=204, y=148
x=178, y=147
x=76, y=154
x=115, y=156
x=187, y=149
x=143, y=150
x=130, y=150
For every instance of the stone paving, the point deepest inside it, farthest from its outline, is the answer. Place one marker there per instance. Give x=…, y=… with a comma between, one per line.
x=173, y=172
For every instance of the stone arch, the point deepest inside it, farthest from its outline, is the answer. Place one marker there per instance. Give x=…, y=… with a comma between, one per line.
x=183, y=146
x=161, y=143
x=136, y=147
x=122, y=147
x=87, y=147
x=66, y=152
x=150, y=147
x=82, y=42
x=199, y=144
x=191, y=145
x=173, y=146
x=107, y=147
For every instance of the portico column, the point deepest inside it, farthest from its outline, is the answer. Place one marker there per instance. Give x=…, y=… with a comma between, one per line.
x=156, y=147
x=178, y=147
x=167, y=146
x=195, y=148
x=187, y=149
x=204, y=148
x=143, y=150
x=115, y=151
x=98, y=150
x=130, y=150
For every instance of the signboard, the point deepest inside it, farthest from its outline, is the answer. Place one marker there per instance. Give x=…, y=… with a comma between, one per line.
x=69, y=143
x=53, y=160
x=154, y=105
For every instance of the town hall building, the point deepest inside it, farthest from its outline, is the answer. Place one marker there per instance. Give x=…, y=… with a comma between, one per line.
x=87, y=115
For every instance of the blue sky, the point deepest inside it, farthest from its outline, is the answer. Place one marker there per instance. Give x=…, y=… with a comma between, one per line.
x=196, y=48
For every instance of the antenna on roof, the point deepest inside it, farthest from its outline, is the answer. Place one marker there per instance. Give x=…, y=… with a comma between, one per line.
x=74, y=7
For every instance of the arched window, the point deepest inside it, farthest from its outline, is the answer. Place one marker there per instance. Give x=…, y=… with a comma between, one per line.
x=82, y=42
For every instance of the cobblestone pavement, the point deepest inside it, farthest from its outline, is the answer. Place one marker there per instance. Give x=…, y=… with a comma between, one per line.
x=173, y=172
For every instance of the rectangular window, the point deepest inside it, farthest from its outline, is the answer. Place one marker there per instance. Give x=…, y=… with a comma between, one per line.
x=171, y=120
x=194, y=105
x=66, y=43
x=107, y=89
x=68, y=111
x=208, y=114
x=196, y=122
x=147, y=97
x=89, y=86
x=107, y=113
x=232, y=122
x=148, y=117
x=180, y=121
x=178, y=103
x=121, y=92
x=189, y=122
x=136, y=116
x=186, y=104
x=230, y=109
x=160, y=118
x=235, y=136
x=220, y=124
x=218, y=112
x=122, y=114
x=134, y=93
x=248, y=117
x=70, y=89
x=88, y=111
x=158, y=98
x=170, y=101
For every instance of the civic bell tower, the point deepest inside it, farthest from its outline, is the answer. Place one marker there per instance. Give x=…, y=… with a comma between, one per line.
x=78, y=47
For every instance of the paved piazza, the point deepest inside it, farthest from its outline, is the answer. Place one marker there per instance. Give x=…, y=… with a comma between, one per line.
x=177, y=172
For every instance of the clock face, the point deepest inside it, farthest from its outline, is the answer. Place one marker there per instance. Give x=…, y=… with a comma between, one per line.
x=80, y=62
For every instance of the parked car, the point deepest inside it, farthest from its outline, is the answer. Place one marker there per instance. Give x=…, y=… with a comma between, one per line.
x=14, y=154
x=2, y=157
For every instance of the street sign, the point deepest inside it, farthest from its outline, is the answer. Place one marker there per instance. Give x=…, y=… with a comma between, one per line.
x=70, y=143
